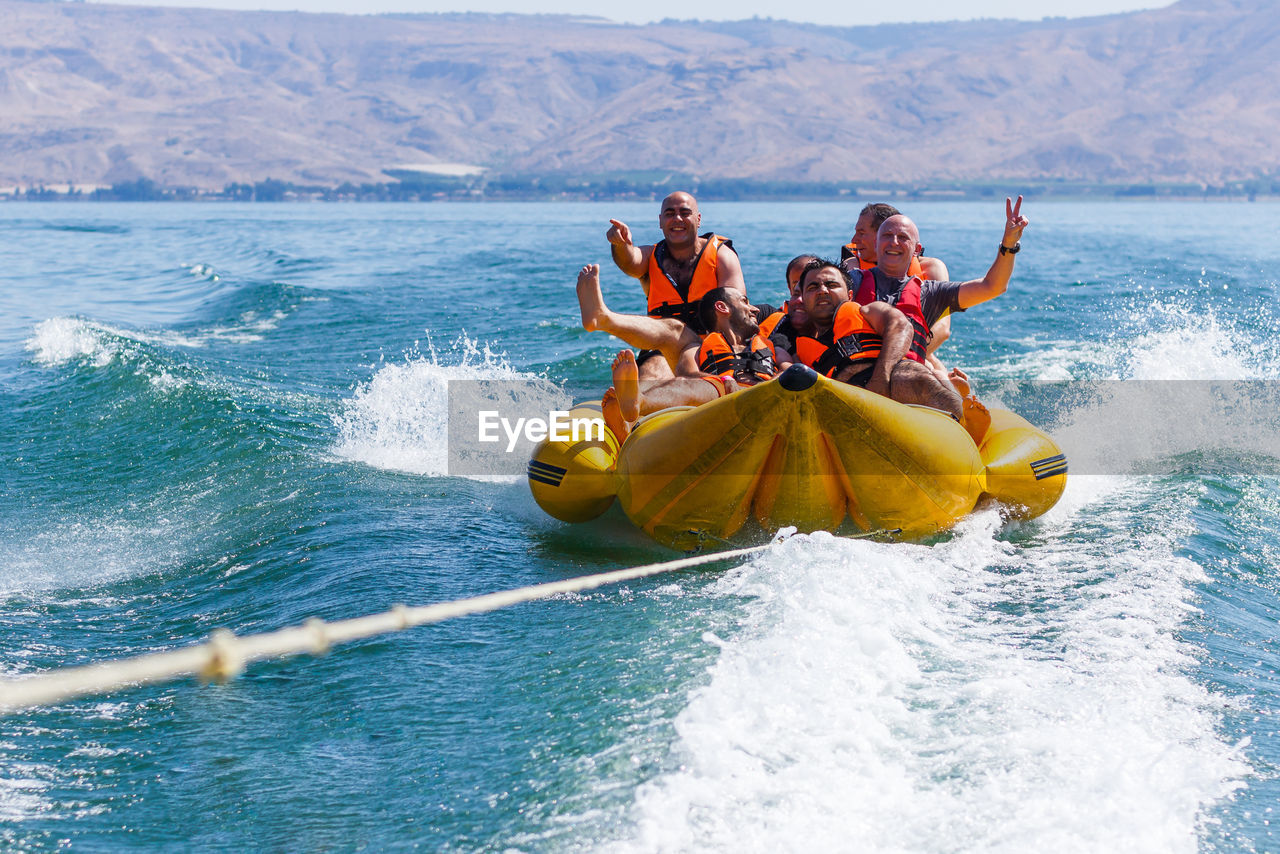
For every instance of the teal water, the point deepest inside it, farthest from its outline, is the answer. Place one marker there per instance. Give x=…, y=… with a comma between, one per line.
x=230, y=416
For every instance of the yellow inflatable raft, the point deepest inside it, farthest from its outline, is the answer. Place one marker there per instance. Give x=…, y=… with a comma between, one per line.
x=800, y=450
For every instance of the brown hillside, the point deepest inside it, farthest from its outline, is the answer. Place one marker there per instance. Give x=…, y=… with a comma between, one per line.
x=92, y=93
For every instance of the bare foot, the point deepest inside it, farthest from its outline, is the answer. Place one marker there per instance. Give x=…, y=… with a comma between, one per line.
x=977, y=419
x=613, y=416
x=626, y=381
x=595, y=313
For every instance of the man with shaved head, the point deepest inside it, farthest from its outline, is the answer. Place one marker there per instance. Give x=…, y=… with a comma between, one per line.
x=675, y=273
x=923, y=302
x=860, y=252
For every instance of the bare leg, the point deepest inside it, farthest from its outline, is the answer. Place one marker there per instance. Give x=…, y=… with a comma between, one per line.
x=591, y=298
x=912, y=382
x=613, y=416
x=678, y=391
x=638, y=330
x=654, y=371
x=626, y=381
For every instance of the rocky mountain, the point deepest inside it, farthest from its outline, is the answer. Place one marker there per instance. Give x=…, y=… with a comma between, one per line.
x=103, y=94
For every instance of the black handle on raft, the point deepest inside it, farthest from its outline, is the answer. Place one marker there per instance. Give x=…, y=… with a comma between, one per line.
x=798, y=377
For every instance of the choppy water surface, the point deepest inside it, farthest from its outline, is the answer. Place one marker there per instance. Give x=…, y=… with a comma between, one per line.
x=231, y=416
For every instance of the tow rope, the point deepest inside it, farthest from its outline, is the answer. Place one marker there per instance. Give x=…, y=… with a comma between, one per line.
x=224, y=654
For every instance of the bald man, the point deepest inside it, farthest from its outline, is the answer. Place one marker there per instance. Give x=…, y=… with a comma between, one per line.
x=676, y=272
x=923, y=302
x=860, y=252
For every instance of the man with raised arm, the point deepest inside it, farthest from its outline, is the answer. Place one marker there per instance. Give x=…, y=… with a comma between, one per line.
x=865, y=345
x=675, y=273
x=924, y=301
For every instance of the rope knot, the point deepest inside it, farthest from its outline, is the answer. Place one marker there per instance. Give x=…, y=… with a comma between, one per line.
x=319, y=631
x=226, y=661
x=401, y=613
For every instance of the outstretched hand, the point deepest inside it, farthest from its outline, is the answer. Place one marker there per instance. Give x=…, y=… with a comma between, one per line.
x=1014, y=221
x=618, y=234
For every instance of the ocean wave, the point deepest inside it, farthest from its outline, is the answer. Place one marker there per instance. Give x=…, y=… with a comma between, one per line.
x=60, y=341
x=87, y=553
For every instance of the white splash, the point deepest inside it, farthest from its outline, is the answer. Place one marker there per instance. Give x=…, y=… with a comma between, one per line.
x=1192, y=385
x=399, y=419
x=1195, y=345
x=84, y=553
x=60, y=340
x=165, y=382
x=905, y=698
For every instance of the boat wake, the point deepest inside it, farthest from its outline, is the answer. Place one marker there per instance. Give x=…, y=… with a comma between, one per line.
x=979, y=694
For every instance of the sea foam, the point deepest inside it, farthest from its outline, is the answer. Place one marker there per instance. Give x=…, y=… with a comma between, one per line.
x=59, y=340
x=911, y=698
x=1193, y=385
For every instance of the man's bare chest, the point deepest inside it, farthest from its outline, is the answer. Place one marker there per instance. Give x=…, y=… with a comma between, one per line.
x=679, y=271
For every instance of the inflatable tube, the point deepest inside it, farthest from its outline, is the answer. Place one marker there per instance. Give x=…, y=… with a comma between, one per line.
x=801, y=450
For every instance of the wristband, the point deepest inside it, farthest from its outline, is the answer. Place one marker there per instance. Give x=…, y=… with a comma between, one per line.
x=1011, y=250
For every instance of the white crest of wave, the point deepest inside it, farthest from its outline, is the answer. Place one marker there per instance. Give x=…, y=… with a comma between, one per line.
x=23, y=791
x=399, y=419
x=251, y=326
x=910, y=698
x=200, y=270
x=60, y=340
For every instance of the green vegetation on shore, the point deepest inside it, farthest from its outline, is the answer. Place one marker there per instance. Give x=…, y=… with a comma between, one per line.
x=646, y=185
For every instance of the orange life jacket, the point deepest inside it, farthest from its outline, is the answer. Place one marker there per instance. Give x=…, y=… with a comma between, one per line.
x=850, y=251
x=751, y=364
x=771, y=322
x=908, y=303
x=851, y=340
x=667, y=298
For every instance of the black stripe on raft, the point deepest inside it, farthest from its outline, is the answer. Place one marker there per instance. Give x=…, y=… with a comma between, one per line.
x=546, y=468
x=1048, y=462
x=539, y=478
x=1041, y=475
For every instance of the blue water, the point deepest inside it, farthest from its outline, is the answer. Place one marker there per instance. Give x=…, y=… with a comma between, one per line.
x=231, y=416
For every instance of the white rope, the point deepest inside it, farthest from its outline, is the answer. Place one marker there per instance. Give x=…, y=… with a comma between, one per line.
x=224, y=655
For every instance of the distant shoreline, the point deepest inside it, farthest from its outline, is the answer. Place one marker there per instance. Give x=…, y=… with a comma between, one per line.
x=558, y=188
